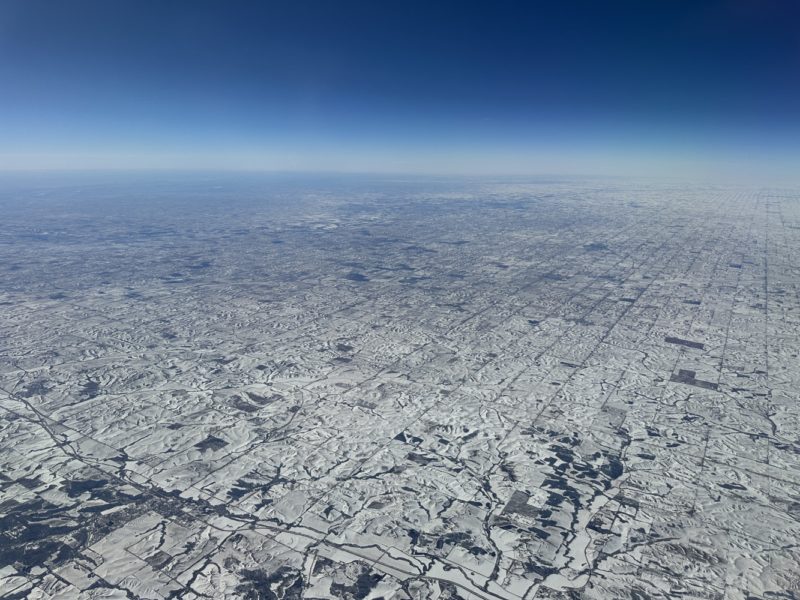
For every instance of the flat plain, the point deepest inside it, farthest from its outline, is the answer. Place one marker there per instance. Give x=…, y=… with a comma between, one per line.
x=249, y=387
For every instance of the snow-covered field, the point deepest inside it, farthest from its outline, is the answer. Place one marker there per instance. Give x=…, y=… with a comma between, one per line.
x=363, y=388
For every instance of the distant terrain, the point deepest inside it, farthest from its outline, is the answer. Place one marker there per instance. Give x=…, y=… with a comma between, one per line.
x=348, y=387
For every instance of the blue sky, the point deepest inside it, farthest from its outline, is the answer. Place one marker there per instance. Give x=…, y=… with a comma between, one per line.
x=672, y=87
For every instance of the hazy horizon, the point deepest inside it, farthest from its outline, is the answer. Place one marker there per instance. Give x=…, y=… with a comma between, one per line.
x=681, y=89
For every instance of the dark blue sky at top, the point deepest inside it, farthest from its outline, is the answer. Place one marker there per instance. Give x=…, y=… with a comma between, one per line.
x=429, y=86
